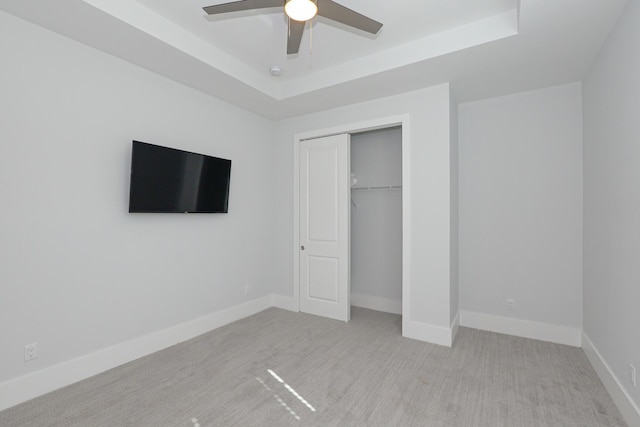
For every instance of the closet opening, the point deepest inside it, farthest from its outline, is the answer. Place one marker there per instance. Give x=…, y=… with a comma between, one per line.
x=376, y=230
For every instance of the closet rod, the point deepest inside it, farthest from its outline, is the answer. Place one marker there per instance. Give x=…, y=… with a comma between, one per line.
x=385, y=187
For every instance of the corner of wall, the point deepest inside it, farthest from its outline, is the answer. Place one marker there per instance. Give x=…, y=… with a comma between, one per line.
x=454, y=203
x=624, y=402
x=285, y=302
x=426, y=332
x=455, y=325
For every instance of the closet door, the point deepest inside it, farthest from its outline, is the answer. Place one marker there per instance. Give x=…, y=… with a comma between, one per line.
x=324, y=227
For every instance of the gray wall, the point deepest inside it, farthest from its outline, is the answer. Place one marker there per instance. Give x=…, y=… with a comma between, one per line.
x=612, y=200
x=521, y=206
x=77, y=272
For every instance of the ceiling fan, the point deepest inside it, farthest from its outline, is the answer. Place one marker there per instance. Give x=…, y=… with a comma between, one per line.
x=301, y=11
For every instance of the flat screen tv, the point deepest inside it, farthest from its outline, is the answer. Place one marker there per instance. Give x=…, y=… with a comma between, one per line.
x=167, y=180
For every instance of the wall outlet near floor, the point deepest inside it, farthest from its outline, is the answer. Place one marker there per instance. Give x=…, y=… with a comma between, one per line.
x=632, y=375
x=511, y=304
x=31, y=351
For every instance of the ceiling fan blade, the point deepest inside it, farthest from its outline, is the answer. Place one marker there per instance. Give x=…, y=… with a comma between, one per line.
x=334, y=11
x=296, y=28
x=236, y=6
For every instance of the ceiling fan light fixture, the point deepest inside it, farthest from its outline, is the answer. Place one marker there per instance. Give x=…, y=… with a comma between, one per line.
x=301, y=10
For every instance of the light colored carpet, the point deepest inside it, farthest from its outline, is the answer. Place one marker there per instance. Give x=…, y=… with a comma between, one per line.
x=278, y=368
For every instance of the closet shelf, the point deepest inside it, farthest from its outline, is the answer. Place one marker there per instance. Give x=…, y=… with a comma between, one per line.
x=384, y=187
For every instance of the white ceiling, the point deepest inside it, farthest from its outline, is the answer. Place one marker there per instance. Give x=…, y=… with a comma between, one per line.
x=484, y=48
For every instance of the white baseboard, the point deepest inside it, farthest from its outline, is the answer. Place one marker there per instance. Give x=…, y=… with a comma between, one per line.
x=284, y=302
x=629, y=410
x=386, y=305
x=427, y=332
x=522, y=328
x=27, y=387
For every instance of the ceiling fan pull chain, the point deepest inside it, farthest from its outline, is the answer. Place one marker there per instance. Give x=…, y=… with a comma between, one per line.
x=311, y=36
x=310, y=44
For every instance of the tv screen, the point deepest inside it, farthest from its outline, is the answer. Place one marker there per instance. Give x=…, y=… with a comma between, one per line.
x=169, y=180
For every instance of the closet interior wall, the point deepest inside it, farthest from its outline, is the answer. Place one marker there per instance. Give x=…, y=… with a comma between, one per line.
x=376, y=220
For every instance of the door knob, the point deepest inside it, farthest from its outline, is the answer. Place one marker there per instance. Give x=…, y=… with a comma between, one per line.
x=302, y=247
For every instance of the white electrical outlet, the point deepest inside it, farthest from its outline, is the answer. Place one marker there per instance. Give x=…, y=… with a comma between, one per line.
x=632, y=375
x=31, y=351
x=511, y=304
